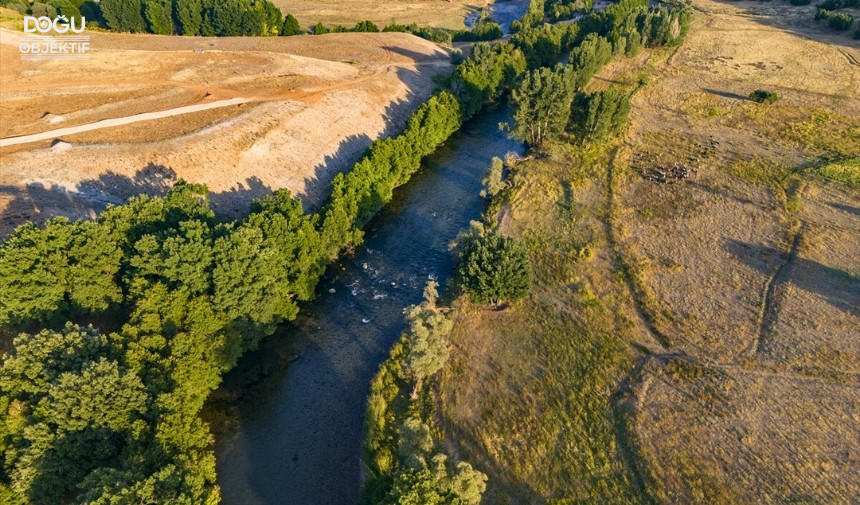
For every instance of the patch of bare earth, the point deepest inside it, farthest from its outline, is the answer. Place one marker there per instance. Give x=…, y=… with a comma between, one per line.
x=314, y=105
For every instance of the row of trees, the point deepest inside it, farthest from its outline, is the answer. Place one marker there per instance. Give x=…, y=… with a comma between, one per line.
x=111, y=415
x=406, y=465
x=224, y=18
x=177, y=297
x=53, y=8
x=548, y=102
x=193, y=17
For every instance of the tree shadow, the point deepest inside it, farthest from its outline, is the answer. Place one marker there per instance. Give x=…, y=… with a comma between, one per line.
x=845, y=208
x=355, y=147
x=726, y=94
x=838, y=287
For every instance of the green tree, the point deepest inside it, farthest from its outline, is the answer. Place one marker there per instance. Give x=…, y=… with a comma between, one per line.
x=588, y=58
x=319, y=29
x=427, y=349
x=596, y=116
x=290, y=26
x=541, y=105
x=366, y=26
x=188, y=15
x=123, y=15
x=493, y=182
x=417, y=487
x=494, y=268
x=158, y=14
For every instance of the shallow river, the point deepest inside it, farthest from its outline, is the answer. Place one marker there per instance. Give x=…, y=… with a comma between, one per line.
x=298, y=434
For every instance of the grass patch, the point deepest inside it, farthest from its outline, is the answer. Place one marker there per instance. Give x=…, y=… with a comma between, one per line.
x=529, y=393
x=845, y=171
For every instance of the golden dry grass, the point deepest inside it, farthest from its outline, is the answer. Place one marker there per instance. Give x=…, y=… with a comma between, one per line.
x=436, y=13
x=732, y=298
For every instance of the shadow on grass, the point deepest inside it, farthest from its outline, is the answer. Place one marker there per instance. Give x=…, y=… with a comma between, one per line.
x=838, y=287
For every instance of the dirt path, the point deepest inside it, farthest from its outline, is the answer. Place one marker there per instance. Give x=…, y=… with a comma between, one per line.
x=292, y=94
x=120, y=121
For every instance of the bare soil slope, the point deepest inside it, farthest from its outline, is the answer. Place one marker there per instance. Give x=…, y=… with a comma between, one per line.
x=313, y=105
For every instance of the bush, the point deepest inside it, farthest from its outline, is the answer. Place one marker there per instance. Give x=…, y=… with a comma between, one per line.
x=457, y=57
x=366, y=26
x=840, y=21
x=800, y=2
x=290, y=26
x=494, y=268
x=319, y=29
x=762, y=96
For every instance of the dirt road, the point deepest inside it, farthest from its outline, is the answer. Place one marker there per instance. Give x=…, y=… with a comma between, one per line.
x=120, y=121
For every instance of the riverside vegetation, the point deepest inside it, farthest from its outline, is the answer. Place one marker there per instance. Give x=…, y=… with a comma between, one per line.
x=148, y=306
x=598, y=387
x=546, y=102
x=144, y=308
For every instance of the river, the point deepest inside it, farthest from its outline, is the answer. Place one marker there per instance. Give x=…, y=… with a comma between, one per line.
x=298, y=424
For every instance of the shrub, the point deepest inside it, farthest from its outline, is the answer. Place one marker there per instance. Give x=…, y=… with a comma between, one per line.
x=319, y=29
x=457, y=57
x=840, y=21
x=366, y=26
x=290, y=26
x=494, y=268
x=762, y=96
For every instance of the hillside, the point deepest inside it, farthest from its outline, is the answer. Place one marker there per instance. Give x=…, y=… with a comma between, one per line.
x=693, y=341
x=304, y=108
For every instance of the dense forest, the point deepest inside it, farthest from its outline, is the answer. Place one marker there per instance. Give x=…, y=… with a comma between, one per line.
x=126, y=323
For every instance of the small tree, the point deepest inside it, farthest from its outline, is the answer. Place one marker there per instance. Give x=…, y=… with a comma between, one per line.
x=427, y=350
x=319, y=29
x=493, y=181
x=495, y=268
x=762, y=96
x=366, y=26
x=541, y=105
x=290, y=26
x=595, y=116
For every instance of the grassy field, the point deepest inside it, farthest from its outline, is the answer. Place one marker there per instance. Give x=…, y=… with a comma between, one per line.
x=436, y=13
x=692, y=342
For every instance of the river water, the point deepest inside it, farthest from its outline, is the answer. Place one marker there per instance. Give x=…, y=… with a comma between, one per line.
x=298, y=434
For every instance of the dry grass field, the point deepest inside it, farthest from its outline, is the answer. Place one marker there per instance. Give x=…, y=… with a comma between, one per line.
x=313, y=104
x=436, y=13
x=695, y=342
